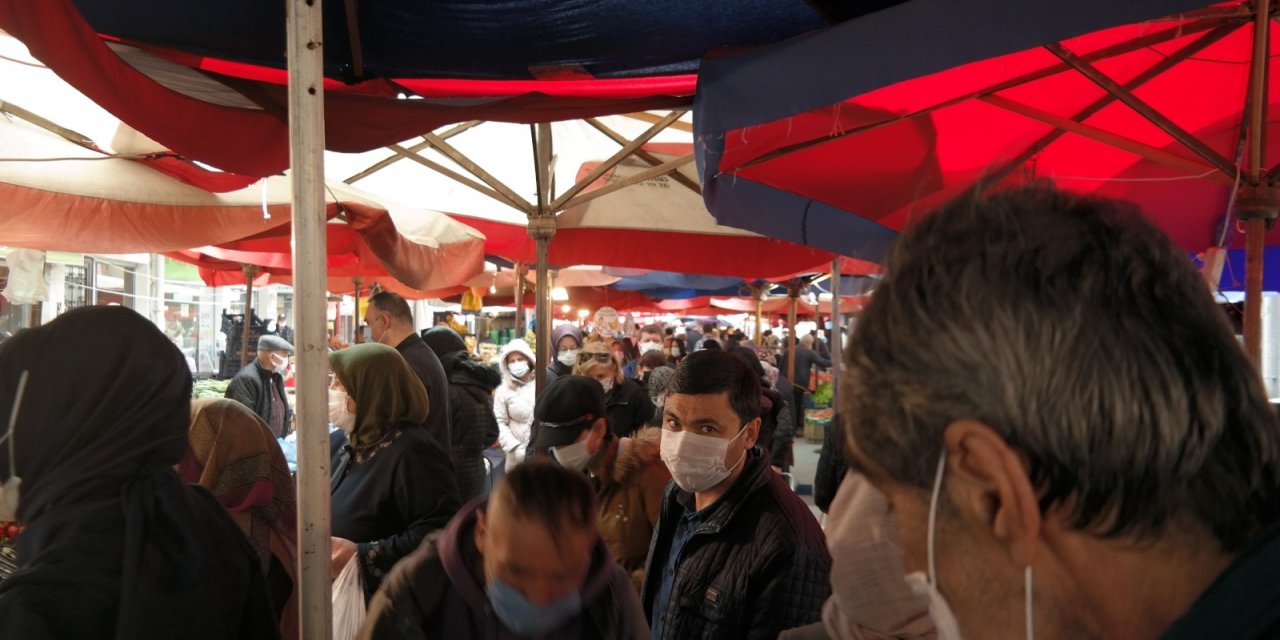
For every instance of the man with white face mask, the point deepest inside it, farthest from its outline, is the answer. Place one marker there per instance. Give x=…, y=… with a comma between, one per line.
x=260, y=384
x=651, y=339
x=1069, y=435
x=737, y=554
x=630, y=478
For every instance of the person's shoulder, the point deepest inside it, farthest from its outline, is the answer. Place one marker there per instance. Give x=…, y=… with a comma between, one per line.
x=790, y=518
x=423, y=567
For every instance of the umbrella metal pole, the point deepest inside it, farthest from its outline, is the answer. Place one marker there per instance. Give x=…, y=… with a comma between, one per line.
x=542, y=227
x=1258, y=202
x=837, y=332
x=305, y=56
x=519, y=299
x=793, y=295
x=250, y=272
x=359, y=334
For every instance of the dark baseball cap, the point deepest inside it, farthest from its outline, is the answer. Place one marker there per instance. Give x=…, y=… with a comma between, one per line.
x=569, y=405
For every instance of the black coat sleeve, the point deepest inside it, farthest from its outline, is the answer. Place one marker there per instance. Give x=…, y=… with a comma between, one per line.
x=426, y=496
x=243, y=391
x=831, y=465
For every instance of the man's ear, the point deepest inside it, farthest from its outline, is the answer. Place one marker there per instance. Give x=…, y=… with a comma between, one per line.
x=990, y=486
x=595, y=437
x=481, y=525
x=753, y=433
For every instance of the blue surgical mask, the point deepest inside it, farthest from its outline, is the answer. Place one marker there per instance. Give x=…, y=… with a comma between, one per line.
x=525, y=618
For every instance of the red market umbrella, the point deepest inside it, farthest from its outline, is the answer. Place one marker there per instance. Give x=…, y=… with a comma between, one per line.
x=366, y=245
x=1168, y=112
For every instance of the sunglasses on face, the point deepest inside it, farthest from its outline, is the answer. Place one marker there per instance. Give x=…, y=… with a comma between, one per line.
x=585, y=357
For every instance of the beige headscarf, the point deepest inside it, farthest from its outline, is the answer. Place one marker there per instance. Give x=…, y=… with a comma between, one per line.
x=869, y=598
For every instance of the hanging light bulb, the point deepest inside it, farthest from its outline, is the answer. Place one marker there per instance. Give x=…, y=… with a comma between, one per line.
x=559, y=294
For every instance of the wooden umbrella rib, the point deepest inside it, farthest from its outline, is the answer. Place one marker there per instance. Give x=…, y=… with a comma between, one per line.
x=664, y=168
x=612, y=161
x=1101, y=54
x=454, y=175
x=1188, y=140
x=647, y=157
x=353, y=36
x=1154, y=154
x=1152, y=72
x=645, y=116
x=389, y=160
x=479, y=172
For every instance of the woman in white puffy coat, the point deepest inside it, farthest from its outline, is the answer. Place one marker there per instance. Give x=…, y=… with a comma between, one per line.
x=514, y=399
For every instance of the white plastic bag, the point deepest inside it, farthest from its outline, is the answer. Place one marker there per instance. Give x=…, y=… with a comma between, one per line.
x=348, y=602
x=26, y=277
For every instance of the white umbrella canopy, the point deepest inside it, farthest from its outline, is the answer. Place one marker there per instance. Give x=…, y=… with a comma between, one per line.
x=502, y=150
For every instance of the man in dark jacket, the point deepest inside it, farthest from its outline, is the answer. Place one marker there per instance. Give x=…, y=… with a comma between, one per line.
x=391, y=323
x=736, y=553
x=806, y=360
x=526, y=562
x=260, y=384
x=471, y=417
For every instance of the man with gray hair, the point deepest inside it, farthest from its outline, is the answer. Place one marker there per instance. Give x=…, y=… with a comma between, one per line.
x=1070, y=436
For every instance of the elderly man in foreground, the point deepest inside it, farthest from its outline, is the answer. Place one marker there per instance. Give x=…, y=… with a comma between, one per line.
x=1068, y=432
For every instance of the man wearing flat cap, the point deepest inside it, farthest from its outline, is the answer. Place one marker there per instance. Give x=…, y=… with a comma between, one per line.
x=628, y=473
x=260, y=384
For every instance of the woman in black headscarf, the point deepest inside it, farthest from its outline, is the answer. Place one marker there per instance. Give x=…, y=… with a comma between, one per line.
x=392, y=484
x=115, y=545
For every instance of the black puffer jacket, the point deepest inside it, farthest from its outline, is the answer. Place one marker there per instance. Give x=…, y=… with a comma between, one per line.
x=471, y=418
x=629, y=407
x=756, y=565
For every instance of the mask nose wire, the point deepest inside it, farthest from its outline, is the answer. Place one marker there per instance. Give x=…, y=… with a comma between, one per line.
x=13, y=418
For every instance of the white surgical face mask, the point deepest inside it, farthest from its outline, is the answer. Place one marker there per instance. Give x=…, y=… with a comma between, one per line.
x=607, y=384
x=10, y=489
x=338, y=413
x=646, y=347
x=279, y=364
x=674, y=352
x=568, y=358
x=518, y=368
x=927, y=586
x=696, y=462
x=573, y=456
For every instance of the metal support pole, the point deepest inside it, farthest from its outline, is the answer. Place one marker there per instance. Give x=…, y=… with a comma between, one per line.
x=837, y=333
x=305, y=55
x=759, y=316
x=359, y=333
x=1258, y=205
x=542, y=227
x=521, y=270
x=250, y=272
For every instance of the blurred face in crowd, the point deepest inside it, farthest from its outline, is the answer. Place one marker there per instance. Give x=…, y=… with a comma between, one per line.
x=525, y=554
x=379, y=324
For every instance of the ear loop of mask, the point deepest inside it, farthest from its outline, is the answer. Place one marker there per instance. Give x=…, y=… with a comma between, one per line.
x=13, y=420
x=1031, y=632
x=933, y=520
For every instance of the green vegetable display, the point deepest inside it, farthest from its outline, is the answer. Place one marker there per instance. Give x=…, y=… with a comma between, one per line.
x=823, y=394
x=209, y=389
